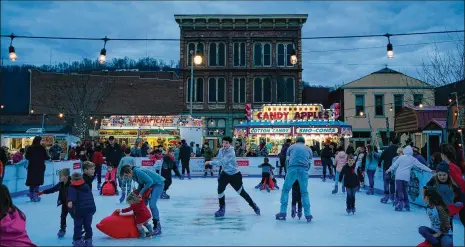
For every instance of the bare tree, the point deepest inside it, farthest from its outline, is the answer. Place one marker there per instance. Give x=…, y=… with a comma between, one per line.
x=78, y=96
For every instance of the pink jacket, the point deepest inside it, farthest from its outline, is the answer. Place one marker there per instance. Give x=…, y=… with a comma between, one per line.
x=13, y=231
x=340, y=160
x=17, y=157
x=111, y=176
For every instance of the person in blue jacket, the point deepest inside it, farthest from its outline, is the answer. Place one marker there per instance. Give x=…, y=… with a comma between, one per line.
x=147, y=179
x=82, y=208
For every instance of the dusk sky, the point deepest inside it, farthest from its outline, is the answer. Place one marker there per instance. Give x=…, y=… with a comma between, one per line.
x=324, y=62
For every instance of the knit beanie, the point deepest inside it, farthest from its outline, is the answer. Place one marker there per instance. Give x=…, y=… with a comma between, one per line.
x=300, y=139
x=76, y=177
x=443, y=167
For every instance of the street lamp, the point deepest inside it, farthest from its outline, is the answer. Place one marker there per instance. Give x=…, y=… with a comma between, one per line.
x=197, y=59
x=294, y=57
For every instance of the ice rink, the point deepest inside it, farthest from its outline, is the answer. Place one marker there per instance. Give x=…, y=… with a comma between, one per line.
x=187, y=219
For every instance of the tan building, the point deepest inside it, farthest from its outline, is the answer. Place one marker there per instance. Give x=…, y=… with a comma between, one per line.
x=371, y=102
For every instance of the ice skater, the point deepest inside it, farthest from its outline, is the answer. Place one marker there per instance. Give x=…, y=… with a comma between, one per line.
x=208, y=155
x=110, y=178
x=147, y=179
x=88, y=169
x=266, y=176
x=229, y=175
x=168, y=165
x=386, y=160
x=348, y=176
x=299, y=158
x=403, y=165
x=141, y=214
x=296, y=206
x=62, y=189
x=371, y=161
x=125, y=184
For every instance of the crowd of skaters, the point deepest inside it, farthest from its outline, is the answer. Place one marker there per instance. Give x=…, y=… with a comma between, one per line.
x=446, y=188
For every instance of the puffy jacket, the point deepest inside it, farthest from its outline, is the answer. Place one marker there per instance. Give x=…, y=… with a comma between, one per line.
x=349, y=174
x=98, y=158
x=404, y=164
x=82, y=198
x=140, y=211
x=266, y=167
x=449, y=194
x=13, y=230
x=146, y=179
x=227, y=160
x=111, y=176
x=456, y=175
x=208, y=154
x=340, y=160
x=386, y=157
x=62, y=189
x=371, y=161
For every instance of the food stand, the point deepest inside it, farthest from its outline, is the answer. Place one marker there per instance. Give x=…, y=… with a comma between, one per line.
x=16, y=141
x=274, y=123
x=156, y=130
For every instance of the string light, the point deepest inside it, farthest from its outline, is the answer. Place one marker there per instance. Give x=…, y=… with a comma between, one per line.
x=361, y=113
x=390, y=109
x=103, y=53
x=60, y=115
x=11, y=50
x=2, y=106
x=421, y=105
x=91, y=117
x=32, y=111
x=390, y=51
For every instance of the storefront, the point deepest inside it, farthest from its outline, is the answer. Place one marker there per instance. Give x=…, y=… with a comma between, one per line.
x=156, y=130
x=17, y=141
x=425, y=126
x=273, y=124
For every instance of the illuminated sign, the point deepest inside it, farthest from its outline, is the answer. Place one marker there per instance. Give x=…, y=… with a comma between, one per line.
x=270, y=130
x=149, y=122
x=317, y=130
x=294, y=112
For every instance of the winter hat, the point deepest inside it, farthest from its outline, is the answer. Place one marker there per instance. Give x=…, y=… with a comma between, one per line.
x=76, y=177
x=300, y=139
x=443, y=167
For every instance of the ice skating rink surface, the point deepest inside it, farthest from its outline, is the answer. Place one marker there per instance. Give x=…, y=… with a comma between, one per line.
x=187, y=219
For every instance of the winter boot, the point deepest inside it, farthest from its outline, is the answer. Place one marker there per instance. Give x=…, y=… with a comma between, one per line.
x=399, y=206
x=205, y=175
x=61, y=233
x=258, y=186
x=371, y=191
x=353, y=210
x=99, y=186
x=189, y=176
x=281, y=216
x=309, y=218
x=267, y=188
x=293, y=211
x=392, y=198
x=164, y=196
x=324, y=179
x=348, y=210
x=123, y=196
x=79, y=243
x=149, y=231
x=336, y=188
x=276, y=186
x=407, y=207
x=220, y=212
x=88, y=243
x=299, y=212
x=256, y=209
x=157, y=230
x=385, y=199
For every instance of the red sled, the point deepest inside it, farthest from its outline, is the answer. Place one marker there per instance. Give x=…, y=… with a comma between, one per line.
x=108, y=189
x=119, y=226
x=270, y=184
x=426, y=244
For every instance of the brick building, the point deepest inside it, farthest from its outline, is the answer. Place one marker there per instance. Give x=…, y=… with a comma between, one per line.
x=246, y=60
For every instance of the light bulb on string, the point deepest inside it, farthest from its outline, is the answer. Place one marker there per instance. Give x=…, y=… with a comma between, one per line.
x=32, y=111
x=11, y=50
x=103, y=53
x=390, y=109
x=390, y=50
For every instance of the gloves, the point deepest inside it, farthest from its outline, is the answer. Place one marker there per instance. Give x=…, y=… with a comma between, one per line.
x=40, y=193
x=459, y=204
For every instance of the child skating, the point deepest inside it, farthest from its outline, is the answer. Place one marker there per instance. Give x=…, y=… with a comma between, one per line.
x=348, y=174
x=110, y=178
x=167, y=167
x=266, y=176
x=62, y=189
x=296, y=201
x=141, y=214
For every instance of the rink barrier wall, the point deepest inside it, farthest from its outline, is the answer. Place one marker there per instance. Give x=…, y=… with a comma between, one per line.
x=15, y=175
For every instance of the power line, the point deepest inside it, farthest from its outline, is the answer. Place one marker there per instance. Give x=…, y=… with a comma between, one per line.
x=12, y=36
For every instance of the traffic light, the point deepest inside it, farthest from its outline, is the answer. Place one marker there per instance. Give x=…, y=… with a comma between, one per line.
x=248, y=111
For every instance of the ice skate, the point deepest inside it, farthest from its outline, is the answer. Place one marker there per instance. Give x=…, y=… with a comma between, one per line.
x=267, y=188
x=205, y=175
x=256, y=209
x=88, y=243
x=164, y=196
x=123, y=196
x=116, y=192
x=220, y=213
x=211, y=173
x=348, y=210
x=142, y=233
x=299, y=213
x=385, y=199
x=157, y=230
x=371, y=191
x=276, y=186
x=324, y=180
x=79, y=243
x=343, y=189
x=407, y=208
x=189, y=176
x=336, y=188
x=61, y=233
x=309, y=218
x=392, y=198
x=149, y=232
x=281, y=216
x=293, y=211
x=353, y=210
x=258, y=186
x=399, y=206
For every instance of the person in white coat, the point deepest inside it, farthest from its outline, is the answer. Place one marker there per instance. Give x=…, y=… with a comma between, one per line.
x=403, y=165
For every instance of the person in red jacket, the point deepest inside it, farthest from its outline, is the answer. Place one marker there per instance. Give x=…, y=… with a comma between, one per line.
x=141, y=213
x=98, y=160
x=448, y=155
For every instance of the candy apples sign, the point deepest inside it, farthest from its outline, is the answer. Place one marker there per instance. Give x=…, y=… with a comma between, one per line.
x=295, y=112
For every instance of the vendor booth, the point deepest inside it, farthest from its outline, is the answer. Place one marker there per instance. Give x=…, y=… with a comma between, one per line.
x=156, y=130
x=273, y=124
x=425, y=126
